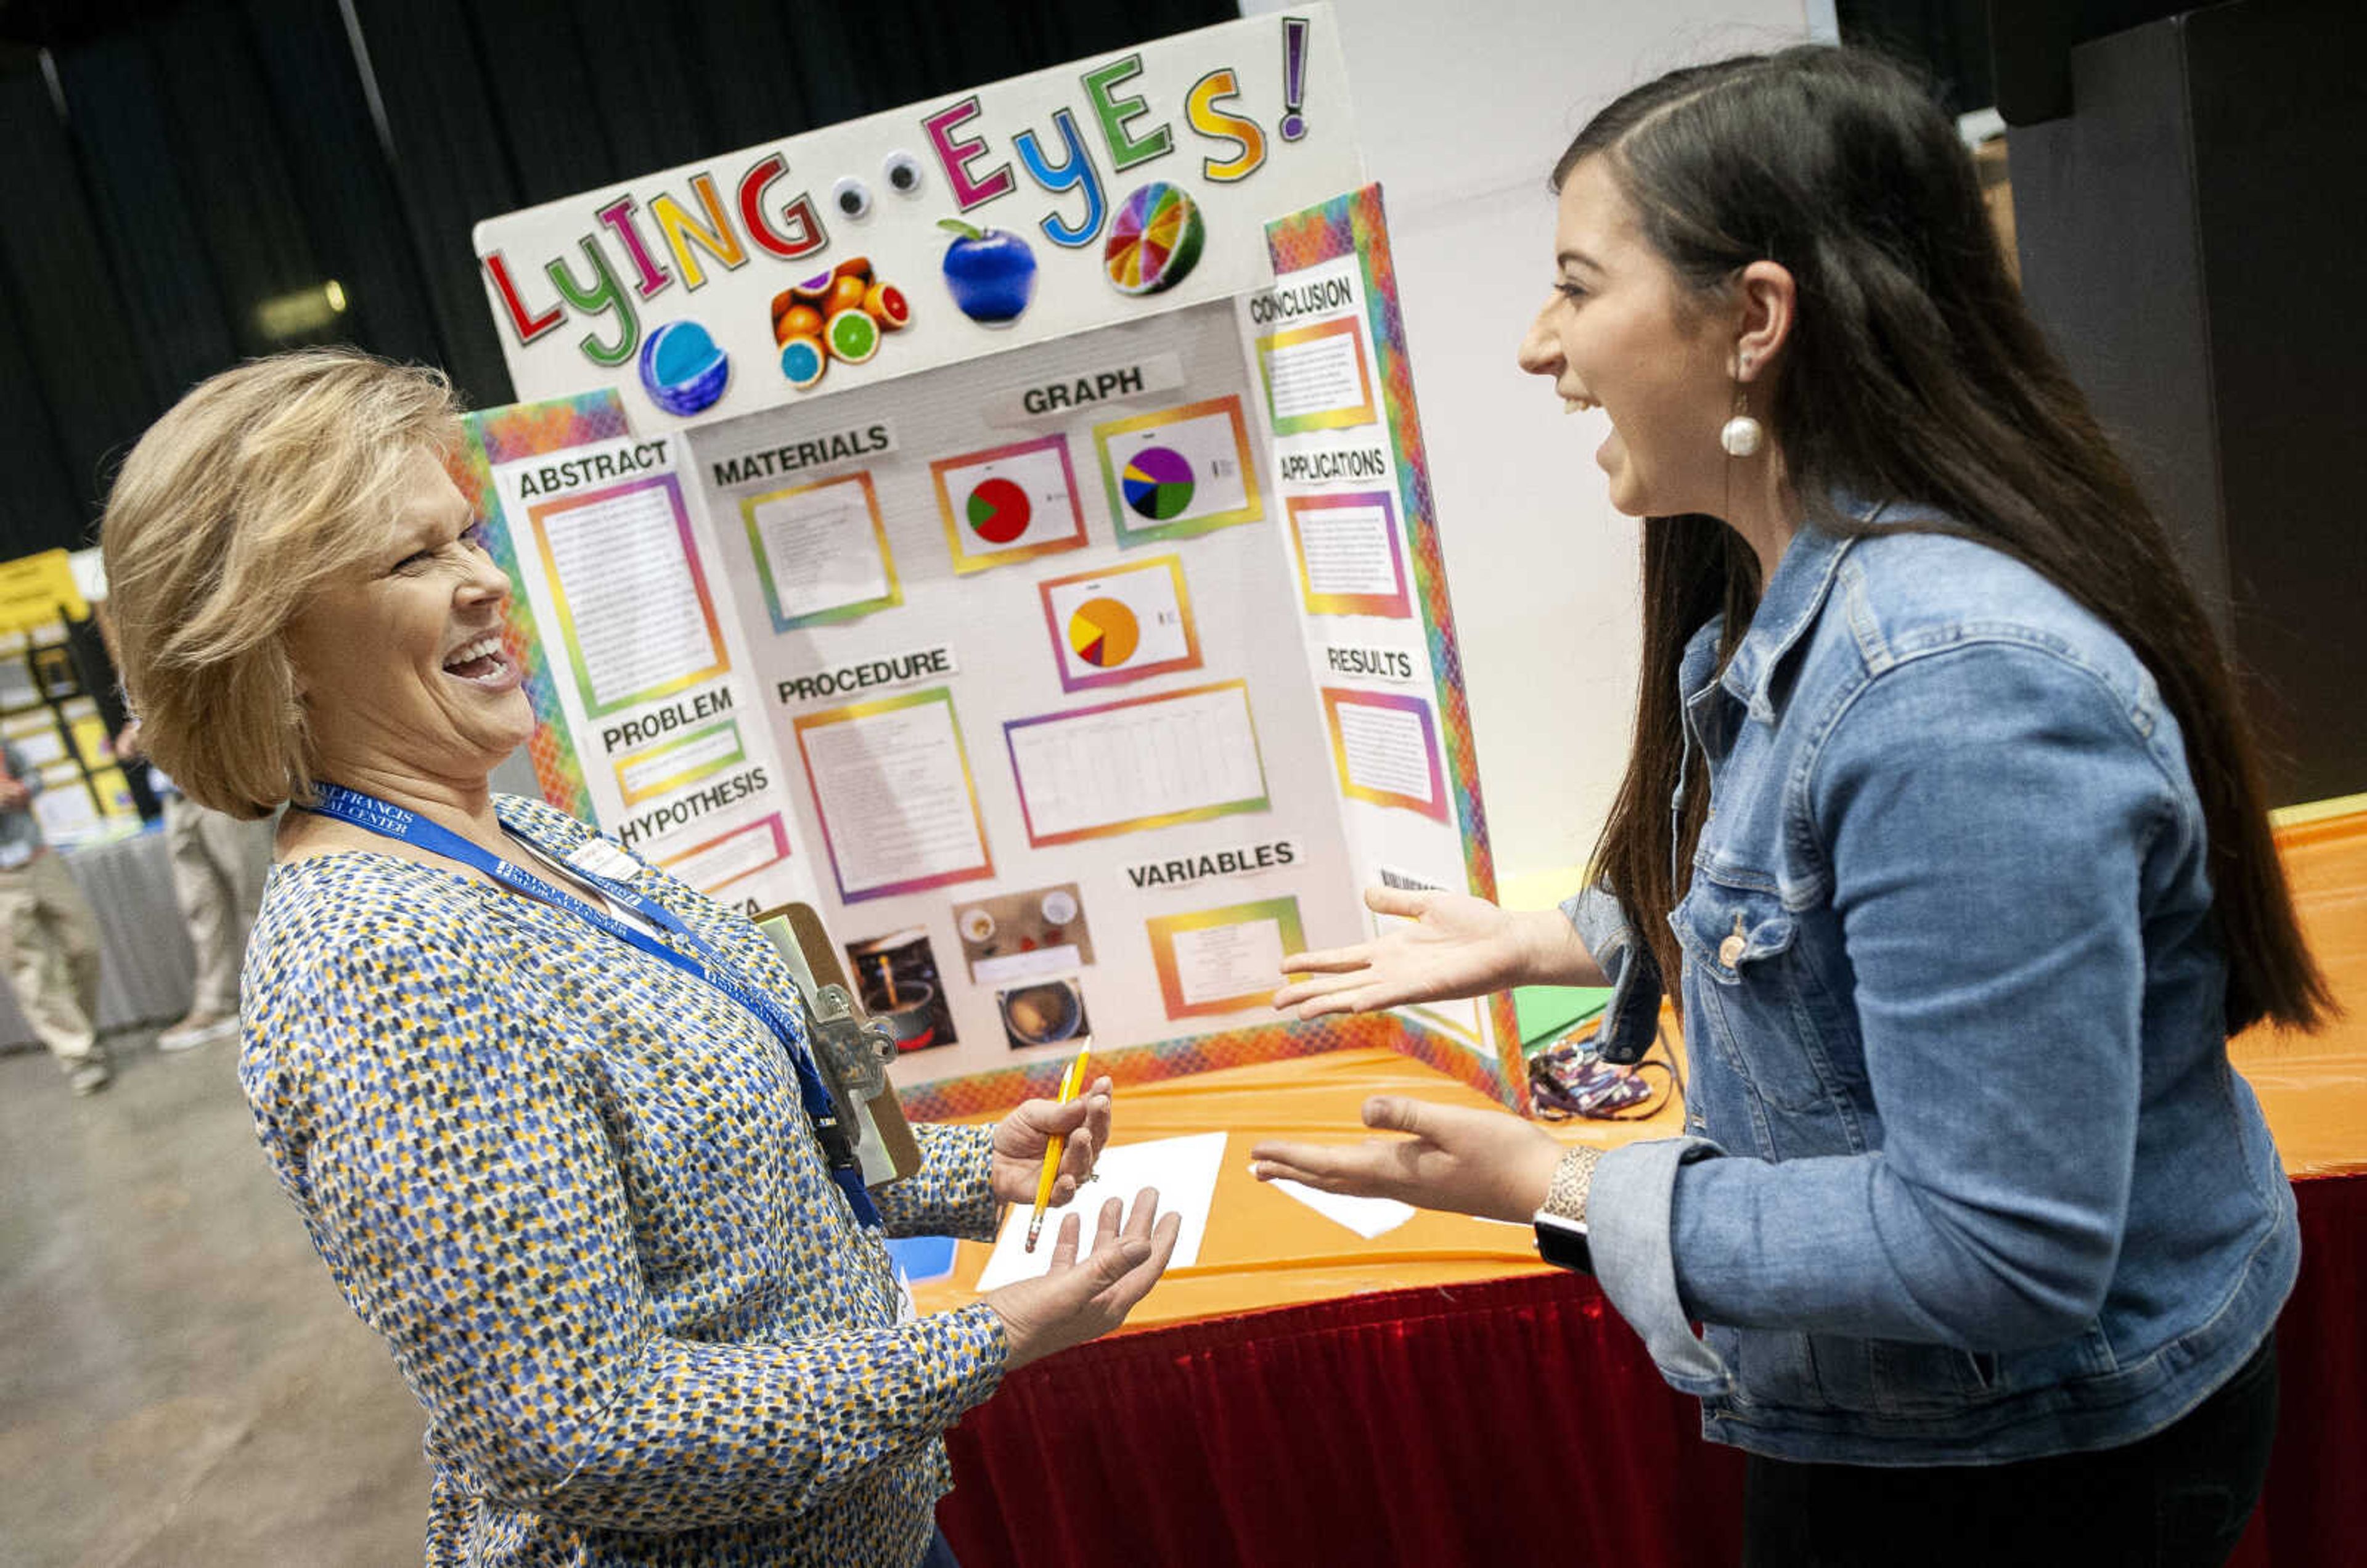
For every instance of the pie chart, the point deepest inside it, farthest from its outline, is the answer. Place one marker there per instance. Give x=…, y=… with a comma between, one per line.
x=1103, y=632
x=1158, y=482
x=998, y=511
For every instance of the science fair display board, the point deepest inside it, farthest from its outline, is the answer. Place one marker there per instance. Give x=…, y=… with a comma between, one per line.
x=1002, y=524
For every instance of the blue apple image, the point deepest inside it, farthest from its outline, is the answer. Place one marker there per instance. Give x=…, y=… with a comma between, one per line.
x=991, y=273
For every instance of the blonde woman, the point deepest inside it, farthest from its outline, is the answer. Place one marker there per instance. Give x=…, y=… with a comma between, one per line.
x=543, y=1108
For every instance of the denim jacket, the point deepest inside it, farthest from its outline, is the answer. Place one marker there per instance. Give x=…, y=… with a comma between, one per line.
x=1969, y=1177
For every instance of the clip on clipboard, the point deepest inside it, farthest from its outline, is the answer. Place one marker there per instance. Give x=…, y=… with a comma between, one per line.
x=852, y=1048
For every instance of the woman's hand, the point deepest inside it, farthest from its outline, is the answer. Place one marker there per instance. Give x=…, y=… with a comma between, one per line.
x=1076, y=1301
x=1021, y=1137
x=1464, y=1161
x=1455, y=946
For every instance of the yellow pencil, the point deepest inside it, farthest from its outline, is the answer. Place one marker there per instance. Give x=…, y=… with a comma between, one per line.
x=1072, y=1084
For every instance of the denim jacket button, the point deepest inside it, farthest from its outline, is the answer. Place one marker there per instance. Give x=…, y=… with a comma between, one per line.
x=1729, y=952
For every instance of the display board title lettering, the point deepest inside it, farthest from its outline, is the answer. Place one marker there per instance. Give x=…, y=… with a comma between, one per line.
x=1244, y=861
x=867, y=674
x=1318, y=297
x=638, y=245
x=575, y=472
x=793, y=457
x=1334, y=463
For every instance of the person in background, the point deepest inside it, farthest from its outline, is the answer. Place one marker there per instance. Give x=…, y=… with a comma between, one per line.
x=49, y=935
x=219, y=863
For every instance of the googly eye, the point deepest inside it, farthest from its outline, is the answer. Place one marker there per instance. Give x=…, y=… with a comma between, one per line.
x=902, y=172
x=852, y=197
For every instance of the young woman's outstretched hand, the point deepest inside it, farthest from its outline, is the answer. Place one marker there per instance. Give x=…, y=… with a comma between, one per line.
x=1445, y=945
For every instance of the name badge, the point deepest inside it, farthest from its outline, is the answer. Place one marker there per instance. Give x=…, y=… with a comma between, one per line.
x=601, y=858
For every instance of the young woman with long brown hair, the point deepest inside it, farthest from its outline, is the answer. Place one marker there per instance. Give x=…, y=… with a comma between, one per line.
x=1943, y=819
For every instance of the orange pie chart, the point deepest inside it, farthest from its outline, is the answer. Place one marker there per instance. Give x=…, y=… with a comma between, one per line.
x=1103, y=632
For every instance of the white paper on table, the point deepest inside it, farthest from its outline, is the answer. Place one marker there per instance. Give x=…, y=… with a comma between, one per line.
x=1368, y=1217
x=1184, y=1171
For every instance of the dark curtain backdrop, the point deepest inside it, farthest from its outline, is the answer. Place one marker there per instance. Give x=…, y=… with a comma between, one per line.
x=179, y=167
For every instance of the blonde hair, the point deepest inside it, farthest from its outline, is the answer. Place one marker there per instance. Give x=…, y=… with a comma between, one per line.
x=257, y=490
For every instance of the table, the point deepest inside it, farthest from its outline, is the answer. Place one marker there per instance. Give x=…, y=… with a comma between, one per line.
x=1438, y=1397
x=146, y=969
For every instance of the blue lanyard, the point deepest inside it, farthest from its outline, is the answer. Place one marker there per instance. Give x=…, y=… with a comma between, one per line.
x=703, y=962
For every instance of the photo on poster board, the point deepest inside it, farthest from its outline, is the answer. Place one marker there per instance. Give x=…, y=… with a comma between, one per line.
x=667, y=765
x=1050, y=1011
x=1013, y=936
x=1179, y=471
x=1223, y=960
x=635, y=615
x=892, y=788
x=1350, y=562
x=1009, y=503
x=822, y=552
x=1386, y=747
x=1141, y=762
x=897, y=975
x=1317, y=378
x=1126, y=623
x=716, y=863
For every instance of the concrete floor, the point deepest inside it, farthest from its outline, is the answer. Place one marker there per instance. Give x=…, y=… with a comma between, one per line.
x=180, y=1384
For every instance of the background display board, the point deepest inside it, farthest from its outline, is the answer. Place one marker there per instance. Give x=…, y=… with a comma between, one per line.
x=1076, y=674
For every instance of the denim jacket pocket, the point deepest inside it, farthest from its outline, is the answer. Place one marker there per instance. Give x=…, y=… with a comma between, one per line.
x=1753, y=1007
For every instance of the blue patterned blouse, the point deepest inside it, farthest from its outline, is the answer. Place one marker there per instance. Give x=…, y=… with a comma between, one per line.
x=576, y=1191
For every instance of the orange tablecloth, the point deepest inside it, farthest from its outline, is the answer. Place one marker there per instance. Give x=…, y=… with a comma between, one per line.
x=2314, y=1087
x=1263, y=1250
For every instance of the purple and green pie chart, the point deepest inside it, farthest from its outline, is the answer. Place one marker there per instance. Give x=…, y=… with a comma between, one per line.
x=997, y=510
x=1158, y=483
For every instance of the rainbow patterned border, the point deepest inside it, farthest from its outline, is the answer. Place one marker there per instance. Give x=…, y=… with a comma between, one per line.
x=670, y=486
x=1127, y=674
x=1355, y=224
x=979, y=1094
x=893, y=597
x=1330, y=419
x=633, y=796
x=494, y=436
x=1334, y=699
x=1259, y=802
x=1252, y=507
x=1397, y=605
x=1164, y=928
x=778, y=836
x=967, y=560
x=805, y=722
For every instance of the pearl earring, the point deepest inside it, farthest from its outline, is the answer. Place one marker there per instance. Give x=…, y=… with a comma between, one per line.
x=1741, y=435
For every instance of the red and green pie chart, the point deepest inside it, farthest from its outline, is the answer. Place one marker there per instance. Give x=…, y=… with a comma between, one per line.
x=1158, y=482
x=1103, y=632
x=998, y=509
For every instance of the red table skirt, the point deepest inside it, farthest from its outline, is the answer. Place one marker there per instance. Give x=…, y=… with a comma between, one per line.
x=1516, y=1421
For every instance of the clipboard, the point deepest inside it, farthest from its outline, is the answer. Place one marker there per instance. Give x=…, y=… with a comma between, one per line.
x=852, y=1048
